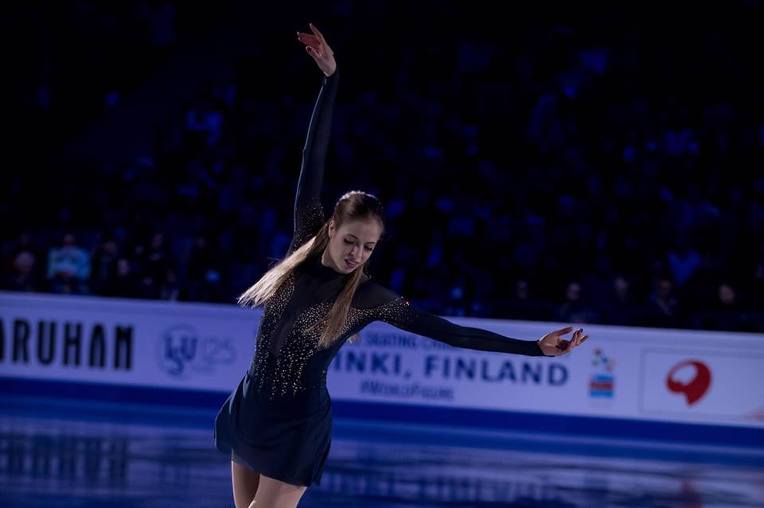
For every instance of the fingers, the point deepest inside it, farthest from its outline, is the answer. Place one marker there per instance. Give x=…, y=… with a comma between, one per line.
x=566, y=346
x=317, y=32
x=312, y=40
x=312, y=45
x=324, y=46
x=562, y=331
x=578, y=339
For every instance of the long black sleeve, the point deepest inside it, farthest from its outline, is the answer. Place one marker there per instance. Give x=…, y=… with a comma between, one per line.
x=308, y=211
x=381, y=304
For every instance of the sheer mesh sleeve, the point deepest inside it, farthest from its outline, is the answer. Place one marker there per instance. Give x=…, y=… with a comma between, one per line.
x=381, y=304
x=308, y=211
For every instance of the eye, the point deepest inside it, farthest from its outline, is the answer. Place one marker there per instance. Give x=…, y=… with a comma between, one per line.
x=348, y=242
x=369, y=249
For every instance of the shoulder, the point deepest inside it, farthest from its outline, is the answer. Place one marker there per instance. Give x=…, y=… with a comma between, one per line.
x=371, y=294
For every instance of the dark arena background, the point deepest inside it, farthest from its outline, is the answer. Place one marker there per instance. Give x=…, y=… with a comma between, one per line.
x=541, y=165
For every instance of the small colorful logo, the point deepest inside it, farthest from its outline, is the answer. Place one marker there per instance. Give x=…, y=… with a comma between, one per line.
x=694, y=389
x=602, y=381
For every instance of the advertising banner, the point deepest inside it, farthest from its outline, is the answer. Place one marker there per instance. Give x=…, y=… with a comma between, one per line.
x=620, y=372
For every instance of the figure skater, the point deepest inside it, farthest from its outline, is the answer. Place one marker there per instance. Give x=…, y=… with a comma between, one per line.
x=276, y=425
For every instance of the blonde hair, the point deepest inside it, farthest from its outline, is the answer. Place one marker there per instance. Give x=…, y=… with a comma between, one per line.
x=354, y=205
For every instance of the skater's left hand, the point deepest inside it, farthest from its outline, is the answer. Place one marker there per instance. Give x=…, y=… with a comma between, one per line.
x=316, y=46
x=552, y=344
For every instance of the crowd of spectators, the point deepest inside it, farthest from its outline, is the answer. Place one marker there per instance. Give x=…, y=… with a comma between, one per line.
x=565, y=172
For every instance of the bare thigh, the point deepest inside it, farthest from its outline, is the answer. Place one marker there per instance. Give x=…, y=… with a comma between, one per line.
x=244, y=481
x=273, y=493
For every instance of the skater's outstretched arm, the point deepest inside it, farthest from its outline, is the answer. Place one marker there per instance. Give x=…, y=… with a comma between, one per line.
x=382, y=304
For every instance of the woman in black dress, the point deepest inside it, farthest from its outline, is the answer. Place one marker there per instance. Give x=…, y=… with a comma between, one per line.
x=276, y=425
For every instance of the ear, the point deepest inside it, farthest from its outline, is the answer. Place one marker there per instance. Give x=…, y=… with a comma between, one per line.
x=332, y=228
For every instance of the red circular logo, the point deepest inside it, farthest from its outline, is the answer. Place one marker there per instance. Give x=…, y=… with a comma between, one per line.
x=694, y=389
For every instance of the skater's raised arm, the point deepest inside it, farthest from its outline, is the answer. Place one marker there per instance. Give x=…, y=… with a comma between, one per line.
x=308, y=211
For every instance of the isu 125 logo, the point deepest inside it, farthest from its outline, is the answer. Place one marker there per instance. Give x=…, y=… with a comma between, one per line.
x=182, y=351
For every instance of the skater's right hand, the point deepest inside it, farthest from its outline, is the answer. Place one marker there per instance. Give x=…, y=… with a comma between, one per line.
x=316, y=46
x=552, y=344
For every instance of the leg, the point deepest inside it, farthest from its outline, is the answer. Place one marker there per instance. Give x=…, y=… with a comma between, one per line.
x=277, y=494
x=244, y=481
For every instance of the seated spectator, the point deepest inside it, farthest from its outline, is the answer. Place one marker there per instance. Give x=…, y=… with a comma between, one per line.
x=619, y=307
x=522, y=304
x=725, y=313
x=68, y=267
x=124, y=283
x=663, y=306
x=574, y=309
x=23, y=276
x=104, y=267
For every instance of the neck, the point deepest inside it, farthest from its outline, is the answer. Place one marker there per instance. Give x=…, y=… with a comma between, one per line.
x=327, y=261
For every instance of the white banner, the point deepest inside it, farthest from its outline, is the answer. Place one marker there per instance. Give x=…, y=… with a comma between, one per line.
x=130, y=342
x=635, y=373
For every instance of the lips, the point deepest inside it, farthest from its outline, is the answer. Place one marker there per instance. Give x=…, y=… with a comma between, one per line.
x=350, y=264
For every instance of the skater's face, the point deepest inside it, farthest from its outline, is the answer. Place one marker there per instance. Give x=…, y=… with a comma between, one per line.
x=351, y=244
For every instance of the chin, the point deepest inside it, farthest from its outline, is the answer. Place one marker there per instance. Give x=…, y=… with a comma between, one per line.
x=347, y=269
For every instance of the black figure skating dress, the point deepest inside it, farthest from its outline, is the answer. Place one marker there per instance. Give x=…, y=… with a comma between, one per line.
x=278, y=420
